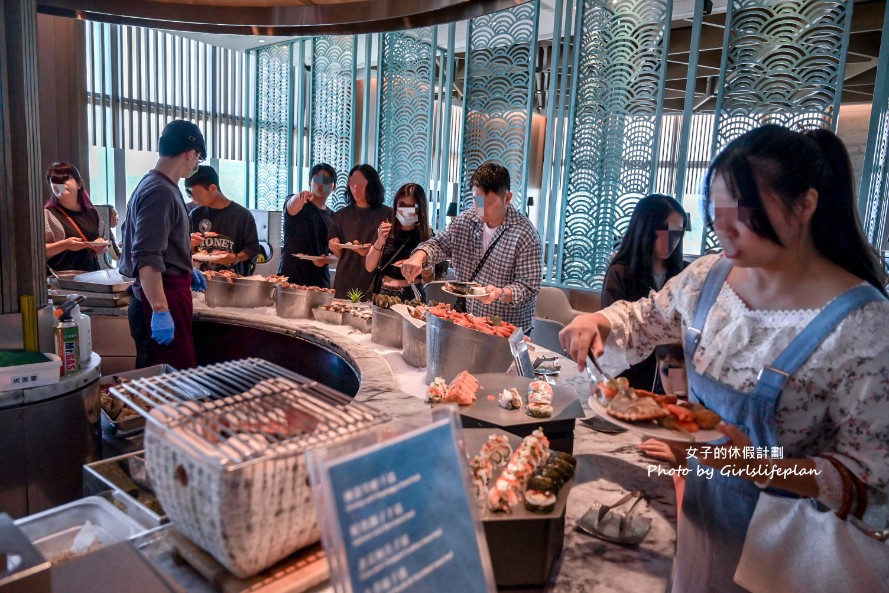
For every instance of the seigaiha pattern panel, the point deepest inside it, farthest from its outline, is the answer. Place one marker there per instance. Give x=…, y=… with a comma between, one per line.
x=783, y=64
x=497, y=104
x=614, y=131
x=408, y=75
x=273, y=107
x=332, y=120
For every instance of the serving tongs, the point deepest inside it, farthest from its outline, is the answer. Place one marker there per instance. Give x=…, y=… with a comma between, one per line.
x=605, y=522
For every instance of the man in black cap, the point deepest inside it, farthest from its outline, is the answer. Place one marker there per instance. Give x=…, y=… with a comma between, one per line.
x=157, y=252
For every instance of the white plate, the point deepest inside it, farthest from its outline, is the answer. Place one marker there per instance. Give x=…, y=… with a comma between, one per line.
x=658, y=432
x=354, y=247
x=308, y=257
x=97, y=243
x=466, y=296
x=208, y=256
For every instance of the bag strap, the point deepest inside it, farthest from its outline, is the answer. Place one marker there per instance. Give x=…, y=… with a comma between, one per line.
x=854, y=490
x=74, y=224
x=487, y=253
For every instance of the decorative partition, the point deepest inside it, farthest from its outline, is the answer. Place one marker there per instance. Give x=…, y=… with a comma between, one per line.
x=406, y=100
x=501, y=48
x=618, y=96
x=273, y=125
x=782, y=70
x=873, y=198
x=333, y=107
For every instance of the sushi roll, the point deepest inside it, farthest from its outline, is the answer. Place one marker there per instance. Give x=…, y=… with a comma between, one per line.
x=537, y=397
x=497, y=449
x=564, y=466
x=436, y=391
x=539, y=410
x=542, y=388
x=542, y=483
x=567, y=457
x=509, y=399
x=553, y=474
x=538, y=501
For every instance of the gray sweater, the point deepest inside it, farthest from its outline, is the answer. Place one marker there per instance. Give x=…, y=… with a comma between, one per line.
x=156, y=229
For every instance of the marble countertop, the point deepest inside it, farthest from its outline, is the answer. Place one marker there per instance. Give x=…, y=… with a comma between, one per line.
x=609, y=466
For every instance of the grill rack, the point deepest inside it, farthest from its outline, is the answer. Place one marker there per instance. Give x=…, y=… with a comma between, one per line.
x=239, y=412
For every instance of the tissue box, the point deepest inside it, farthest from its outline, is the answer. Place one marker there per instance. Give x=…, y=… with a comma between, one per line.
x=21, y=370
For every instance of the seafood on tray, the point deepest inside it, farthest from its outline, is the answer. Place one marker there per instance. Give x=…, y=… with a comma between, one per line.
x=488, y=325
x=226, y=275
x=283, y=283
x=462, y=390
x=638, y=405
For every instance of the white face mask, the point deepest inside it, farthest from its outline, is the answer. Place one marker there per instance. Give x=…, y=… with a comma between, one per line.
x=58, y=189
x=407, y=216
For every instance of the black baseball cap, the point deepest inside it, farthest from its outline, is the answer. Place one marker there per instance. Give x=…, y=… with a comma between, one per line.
x=181, y=136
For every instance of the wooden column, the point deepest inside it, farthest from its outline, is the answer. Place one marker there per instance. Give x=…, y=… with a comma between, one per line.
x=61, y=69
x=22, y=250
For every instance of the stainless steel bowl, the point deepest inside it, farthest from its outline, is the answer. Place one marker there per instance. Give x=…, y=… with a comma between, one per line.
x=386, y=329
x=451, y=348
x=298, y=304
x=413, y=344
x=240, y=293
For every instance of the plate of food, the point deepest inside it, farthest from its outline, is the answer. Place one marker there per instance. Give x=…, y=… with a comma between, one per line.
x=662, y=417
x=309, y=257
x=501, y=399
x=98, y=243
x=208, y=256
x=468, y=290
x=355, y=245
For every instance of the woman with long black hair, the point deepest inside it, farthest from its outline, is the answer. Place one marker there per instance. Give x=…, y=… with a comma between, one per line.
x=784, y=338
x=357, y=222
x=396, y=240
x=71, y=222
x=649, y=255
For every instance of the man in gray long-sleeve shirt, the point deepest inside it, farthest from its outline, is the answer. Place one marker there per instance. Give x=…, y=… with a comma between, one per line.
x=157, y=252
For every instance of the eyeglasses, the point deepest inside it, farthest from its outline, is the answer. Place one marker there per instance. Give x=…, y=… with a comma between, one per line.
x=323, y=179
x=59, y=178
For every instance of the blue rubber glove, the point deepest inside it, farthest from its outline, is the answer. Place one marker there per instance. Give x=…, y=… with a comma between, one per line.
x=198, y=283
x=162, y=327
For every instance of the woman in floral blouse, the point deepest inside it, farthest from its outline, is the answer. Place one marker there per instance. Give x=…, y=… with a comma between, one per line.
x=784, y=338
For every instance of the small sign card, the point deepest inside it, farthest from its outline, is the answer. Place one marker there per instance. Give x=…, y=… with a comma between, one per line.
x=396, y=515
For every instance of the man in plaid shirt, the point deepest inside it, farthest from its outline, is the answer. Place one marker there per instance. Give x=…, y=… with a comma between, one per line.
x=514, y=267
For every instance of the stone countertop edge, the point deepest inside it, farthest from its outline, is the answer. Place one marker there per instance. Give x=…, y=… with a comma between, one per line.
x=378, y=386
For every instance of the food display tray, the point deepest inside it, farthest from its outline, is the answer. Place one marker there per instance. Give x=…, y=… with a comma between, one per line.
x=98, y=281
x=99, y=300
x=123, y=479
x=523, y=545
x=135, y=424
x=485, y=413
x=53, y=531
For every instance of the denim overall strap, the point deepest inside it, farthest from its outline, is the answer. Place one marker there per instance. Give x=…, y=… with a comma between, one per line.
x=773, y=377
x=709, y=291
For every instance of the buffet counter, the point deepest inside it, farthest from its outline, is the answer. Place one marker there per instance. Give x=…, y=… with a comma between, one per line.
x=609, y=465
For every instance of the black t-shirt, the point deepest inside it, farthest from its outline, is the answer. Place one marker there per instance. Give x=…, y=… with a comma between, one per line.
x=88, y=221
x=306, y=233
x=397, y=249
x=235, y=230
x=348, y=224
